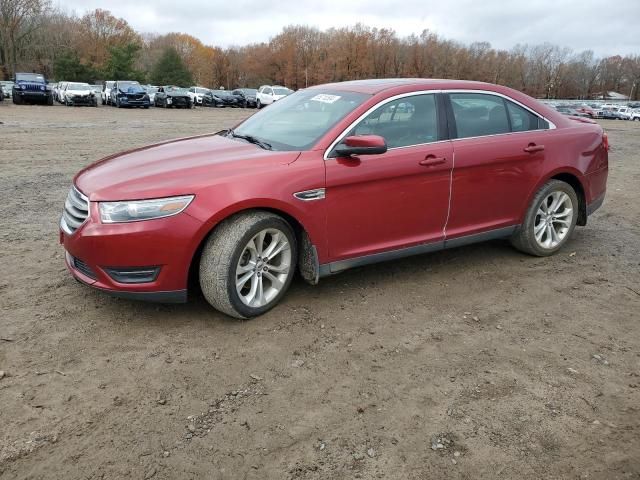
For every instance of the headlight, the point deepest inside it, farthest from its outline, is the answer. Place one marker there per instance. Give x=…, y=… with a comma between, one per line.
x=117, y=212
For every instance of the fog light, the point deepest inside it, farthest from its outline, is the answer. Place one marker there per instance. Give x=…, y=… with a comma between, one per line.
x=133, y=274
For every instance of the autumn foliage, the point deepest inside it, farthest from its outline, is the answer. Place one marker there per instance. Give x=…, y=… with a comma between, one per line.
x=38, y=37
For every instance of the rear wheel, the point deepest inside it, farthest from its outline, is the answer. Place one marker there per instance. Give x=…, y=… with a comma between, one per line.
x=550, y=220
x=258, y=105
x=248, y=263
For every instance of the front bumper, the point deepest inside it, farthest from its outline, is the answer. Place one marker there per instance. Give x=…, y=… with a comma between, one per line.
x=31, y=95
x=134, y=102
x=167, y=244
x=82, y=100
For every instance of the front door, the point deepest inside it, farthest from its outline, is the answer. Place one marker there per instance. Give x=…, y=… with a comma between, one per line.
x=398, y=199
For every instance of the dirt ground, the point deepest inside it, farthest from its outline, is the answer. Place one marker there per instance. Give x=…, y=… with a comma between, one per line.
x=518, y=367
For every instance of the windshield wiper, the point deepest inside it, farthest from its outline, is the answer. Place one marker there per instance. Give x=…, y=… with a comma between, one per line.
x=251, y=139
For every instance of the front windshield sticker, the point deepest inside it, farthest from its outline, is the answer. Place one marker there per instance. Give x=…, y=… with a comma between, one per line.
x=326, y=98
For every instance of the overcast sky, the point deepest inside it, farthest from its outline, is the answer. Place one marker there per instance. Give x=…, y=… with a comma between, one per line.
x=606, y=27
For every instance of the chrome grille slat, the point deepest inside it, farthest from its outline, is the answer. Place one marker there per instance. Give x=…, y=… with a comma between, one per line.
x=73, y=210
x=76, y=211
x=72, y=222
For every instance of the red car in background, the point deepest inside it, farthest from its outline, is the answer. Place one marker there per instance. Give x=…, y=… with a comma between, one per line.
x=332, y=177
x=587, y=110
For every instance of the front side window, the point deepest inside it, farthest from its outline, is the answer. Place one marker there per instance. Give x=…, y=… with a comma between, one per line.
x=402, y=122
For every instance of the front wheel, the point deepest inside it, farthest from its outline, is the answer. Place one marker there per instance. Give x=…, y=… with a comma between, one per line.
x=550, y=220
x=248, y=263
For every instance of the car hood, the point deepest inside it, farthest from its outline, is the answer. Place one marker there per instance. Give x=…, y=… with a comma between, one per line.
x=79, y=92
x=177, y=167
x=177, y=94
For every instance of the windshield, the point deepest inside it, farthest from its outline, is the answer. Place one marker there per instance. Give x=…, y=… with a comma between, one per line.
x=282, y=91
x=298, y=121
x=151, y=89
x=30, y=77
x=78, y=86
x=201, y=90
x=249, y=91
x=130, y=87
x=220, y=93
x=176, y=90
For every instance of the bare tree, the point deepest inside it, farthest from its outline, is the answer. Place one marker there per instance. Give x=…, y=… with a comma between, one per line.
x=18, y=20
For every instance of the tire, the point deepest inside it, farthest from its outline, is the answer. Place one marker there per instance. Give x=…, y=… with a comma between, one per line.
x=17, y=100
x=544, y=242
x=227, y=250
x=50, y=101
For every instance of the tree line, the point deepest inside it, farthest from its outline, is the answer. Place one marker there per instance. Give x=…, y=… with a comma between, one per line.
x=35, y=36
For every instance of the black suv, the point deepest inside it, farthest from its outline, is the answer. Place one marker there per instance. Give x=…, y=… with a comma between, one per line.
x=128, y=93
x=31, y=88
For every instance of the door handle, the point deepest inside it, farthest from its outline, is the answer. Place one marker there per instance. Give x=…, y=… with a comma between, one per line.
x=431, y=160
x=533, y=148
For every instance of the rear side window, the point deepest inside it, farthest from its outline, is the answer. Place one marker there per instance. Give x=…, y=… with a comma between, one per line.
x=522, y=119
x=402, y=122
x=478, y=114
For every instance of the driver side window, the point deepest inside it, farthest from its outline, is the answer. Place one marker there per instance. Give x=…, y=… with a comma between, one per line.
x=403, y=122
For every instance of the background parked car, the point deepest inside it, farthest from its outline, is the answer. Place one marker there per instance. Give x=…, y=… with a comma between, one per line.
x=57, y=91
x=6, y=87
x=171, y=96
x=567, y=110
x=608, y=114
x=196, y=94
x=31, y=88
x=129, y=93
x=268, y=94
x=246, y=96
x=151, y=91
x=223, y=98
x=635, y=114
x=624, y=112
x=1, y=95
x=76, y=93
x=106, y=92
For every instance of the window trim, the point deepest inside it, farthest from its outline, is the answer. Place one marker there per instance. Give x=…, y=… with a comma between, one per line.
x=447, y=114
x=552, y=126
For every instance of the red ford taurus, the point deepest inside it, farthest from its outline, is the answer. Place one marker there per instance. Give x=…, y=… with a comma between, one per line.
x=330, y=178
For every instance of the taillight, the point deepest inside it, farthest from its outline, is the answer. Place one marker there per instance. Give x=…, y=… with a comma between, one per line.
x=605, y=141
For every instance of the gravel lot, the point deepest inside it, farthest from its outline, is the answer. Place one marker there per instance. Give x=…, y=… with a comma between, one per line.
x=517, y=367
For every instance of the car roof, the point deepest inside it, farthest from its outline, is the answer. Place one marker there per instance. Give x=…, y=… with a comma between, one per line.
x=377, y=85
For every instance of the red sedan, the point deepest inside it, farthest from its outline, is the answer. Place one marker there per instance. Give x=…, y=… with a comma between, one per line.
x=329, y=178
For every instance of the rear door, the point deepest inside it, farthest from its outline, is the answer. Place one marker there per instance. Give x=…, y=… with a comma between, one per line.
x=499, y=149
x=384, y=202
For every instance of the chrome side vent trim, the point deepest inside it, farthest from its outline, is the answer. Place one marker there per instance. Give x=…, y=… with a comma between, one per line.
x=76, y=211
x=309, y=195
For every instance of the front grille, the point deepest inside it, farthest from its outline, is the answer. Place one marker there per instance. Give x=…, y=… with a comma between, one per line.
x=76, y=211
x=32, y=87
x=83, y=268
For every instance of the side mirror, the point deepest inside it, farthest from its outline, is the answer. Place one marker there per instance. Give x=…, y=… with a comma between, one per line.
x=362, y=145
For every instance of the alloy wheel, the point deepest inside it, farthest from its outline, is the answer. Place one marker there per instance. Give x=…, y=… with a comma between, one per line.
x=263, y=268
x=553, y=219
